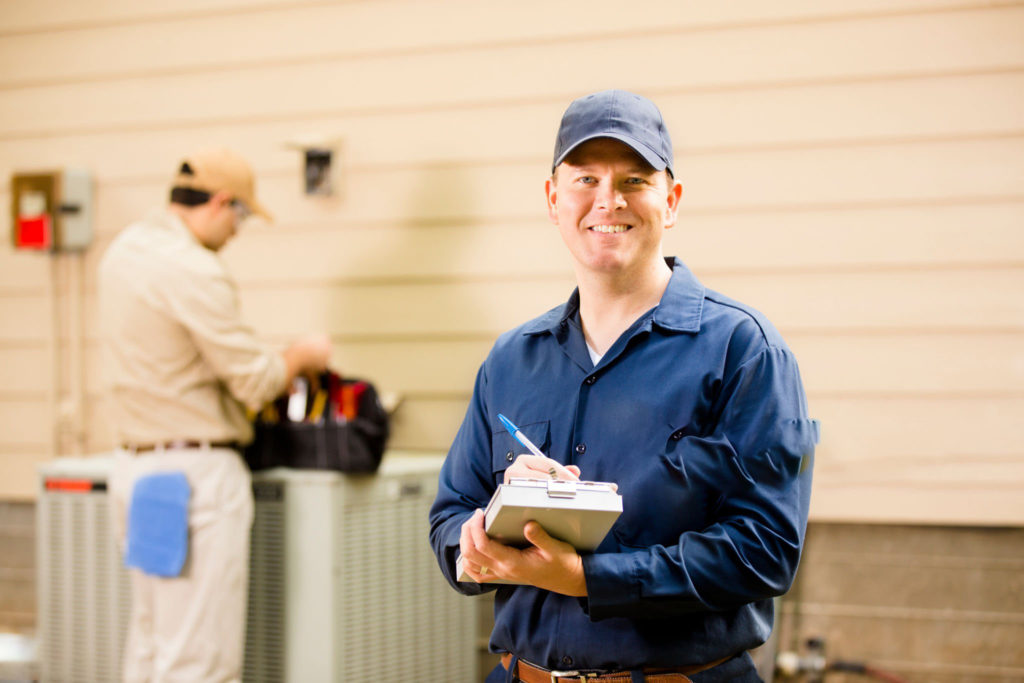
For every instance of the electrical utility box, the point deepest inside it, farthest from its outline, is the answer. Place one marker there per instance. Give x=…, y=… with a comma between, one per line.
x=52, y=211
x=343, y=585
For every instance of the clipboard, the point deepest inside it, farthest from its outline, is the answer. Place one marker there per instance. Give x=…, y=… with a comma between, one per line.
x=579, y=513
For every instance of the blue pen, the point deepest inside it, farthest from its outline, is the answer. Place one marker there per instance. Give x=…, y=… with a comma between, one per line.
x=519, y=436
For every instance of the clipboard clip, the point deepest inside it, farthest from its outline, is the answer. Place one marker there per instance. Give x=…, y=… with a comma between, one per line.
x=561, y=489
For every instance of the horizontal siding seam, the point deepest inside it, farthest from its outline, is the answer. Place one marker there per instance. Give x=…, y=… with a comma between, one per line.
x=482, y=163
x=915, y=484
x=92, y=343
x=449, y=48
x=980, y=396
x=94, y=398
x=915, y=562
x=879, y=330
x=562, y=276
x=943, y=459
x=313, y=226
x=899, y=613
x=485, y=335
x=923, y=395
x=139, y=20
x=561, y=98
x=900, y=395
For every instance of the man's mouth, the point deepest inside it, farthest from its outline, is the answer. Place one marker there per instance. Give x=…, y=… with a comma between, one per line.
x=609, y=229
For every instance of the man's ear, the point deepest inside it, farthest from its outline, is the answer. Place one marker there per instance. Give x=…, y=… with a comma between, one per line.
x=675, y=191
x=551, y=195
x=221, y=198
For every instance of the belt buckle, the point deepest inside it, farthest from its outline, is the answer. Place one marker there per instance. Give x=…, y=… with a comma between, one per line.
x=557, y=676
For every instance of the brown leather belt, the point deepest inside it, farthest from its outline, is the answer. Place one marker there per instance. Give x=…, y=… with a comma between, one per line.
x=179, y=444
x=528, y=673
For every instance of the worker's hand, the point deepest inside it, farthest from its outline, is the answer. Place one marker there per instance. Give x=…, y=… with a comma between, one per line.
x=547, y=563
x=536, y=467
x=307, y=355
x=317, y=352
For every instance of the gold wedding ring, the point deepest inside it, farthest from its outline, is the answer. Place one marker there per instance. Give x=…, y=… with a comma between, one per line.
x=553, y=472
x=483, y=570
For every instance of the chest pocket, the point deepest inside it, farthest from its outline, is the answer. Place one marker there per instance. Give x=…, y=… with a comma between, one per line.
x=504, y=447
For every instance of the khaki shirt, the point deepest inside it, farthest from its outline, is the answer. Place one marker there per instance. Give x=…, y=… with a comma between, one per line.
x=180, y=361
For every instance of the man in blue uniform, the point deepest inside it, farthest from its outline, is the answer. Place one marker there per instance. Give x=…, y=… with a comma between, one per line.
x=689, y=401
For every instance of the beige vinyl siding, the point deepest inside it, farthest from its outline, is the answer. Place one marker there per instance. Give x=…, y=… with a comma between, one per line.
x=853, y=169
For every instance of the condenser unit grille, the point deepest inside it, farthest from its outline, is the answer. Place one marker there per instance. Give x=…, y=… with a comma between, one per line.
x=381, y=603
x=264, y=637
x=83, y=592
x=377, y=599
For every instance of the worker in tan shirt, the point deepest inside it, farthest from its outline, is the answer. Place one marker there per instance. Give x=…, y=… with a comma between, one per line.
x=182, y=368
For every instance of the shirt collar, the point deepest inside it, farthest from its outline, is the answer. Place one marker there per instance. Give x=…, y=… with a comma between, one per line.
x=679, y=309
x=556, y=317
x=682, y=303
x=168, y=220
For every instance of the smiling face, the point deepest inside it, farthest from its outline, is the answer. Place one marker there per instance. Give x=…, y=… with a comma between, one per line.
x=611, y=208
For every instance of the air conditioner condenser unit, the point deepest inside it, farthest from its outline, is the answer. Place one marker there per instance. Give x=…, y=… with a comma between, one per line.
x=343, y=584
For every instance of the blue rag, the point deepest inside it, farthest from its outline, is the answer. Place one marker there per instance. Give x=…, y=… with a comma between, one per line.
x=157, y=540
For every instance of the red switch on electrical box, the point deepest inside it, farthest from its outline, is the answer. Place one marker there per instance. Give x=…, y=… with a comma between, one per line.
x=34, y=232
x=33, y=197
x=51, y=211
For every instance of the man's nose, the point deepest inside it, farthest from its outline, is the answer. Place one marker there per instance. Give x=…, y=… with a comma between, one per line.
x=610, y=197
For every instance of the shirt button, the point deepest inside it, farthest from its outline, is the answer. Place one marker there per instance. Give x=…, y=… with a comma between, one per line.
x=581, y=448
x=509, y=456
x=590, y=380
x=567, y=661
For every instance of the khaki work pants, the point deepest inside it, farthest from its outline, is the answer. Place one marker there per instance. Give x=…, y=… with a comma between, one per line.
x=191, y=628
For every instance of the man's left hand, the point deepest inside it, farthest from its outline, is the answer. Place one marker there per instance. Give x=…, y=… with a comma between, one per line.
x=547, y=563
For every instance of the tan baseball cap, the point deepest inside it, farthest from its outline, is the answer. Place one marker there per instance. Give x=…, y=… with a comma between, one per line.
x=215, y=170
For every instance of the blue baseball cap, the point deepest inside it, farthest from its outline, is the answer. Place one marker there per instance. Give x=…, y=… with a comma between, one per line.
x=617, y=114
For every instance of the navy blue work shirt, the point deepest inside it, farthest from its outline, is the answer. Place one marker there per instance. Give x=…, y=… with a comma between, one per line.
x=697, y=412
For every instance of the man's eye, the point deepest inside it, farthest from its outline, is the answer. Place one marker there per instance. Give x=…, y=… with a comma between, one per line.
x=635, y=180
x=586, y=179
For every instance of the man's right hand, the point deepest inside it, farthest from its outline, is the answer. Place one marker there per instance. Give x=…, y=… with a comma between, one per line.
x=307, y=355
x=536, y=467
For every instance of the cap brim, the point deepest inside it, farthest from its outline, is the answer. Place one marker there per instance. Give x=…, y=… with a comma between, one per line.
x=259, y=210
x=645, y=152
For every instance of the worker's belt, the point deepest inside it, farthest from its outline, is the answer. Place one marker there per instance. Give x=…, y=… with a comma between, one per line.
x=529, y=673
x=179, y=444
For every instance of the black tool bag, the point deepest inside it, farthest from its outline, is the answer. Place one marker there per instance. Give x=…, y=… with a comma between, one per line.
x=346, y=429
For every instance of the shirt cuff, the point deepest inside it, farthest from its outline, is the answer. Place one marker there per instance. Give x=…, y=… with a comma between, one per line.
x=613, y=584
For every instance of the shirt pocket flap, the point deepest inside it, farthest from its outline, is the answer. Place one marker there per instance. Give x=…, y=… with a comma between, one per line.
x=505, y=448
